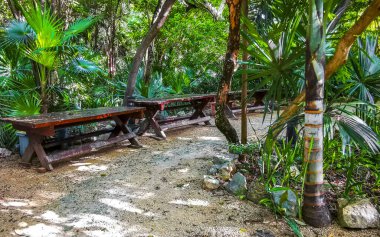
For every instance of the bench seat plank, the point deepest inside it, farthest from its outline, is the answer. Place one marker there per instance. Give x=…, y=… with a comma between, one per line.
x=70, y=117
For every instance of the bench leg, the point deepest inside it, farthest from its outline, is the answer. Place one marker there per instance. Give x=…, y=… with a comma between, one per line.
x=143, y=127
x=121, y=127
x=28, y=154
x=199, y=107
x=35, y=145
x=151, y=120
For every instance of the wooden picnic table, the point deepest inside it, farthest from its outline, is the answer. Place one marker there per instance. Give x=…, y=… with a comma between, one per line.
x=256, y=97
x=38, y=127
x=154, y=106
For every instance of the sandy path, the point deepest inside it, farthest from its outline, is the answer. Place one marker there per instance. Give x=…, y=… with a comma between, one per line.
x=153, y=191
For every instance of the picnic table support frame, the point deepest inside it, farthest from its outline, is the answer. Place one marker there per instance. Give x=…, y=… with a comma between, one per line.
x=153, y=108
x=41, y=126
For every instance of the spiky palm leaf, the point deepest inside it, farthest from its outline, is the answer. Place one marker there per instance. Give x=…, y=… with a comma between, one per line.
x=277, y=62
x=84, y=66
x=352, y=129
x=15, y=33
x=364, y=82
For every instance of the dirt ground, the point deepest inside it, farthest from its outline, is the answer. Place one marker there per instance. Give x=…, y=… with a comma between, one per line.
x=153, y=191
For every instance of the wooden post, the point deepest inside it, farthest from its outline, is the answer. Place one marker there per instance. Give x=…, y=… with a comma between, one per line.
x=244, y=83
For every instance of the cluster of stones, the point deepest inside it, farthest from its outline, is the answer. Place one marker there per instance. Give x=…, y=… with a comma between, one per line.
x=223, y=173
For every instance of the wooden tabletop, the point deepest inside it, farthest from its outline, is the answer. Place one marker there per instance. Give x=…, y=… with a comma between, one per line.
x=67, y=117
x=171, y=99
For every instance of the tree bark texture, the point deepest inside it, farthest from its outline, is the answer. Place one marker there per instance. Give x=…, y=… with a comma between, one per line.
x=230, y=62
x=339, y=59
x=15, y=12
x=149, y=37
x=150, y=53
x=315, y=211
x=244, y=83
x=111, y=51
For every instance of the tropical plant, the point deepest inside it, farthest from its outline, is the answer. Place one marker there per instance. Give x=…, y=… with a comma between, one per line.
x=277, y=62
x=42, y=39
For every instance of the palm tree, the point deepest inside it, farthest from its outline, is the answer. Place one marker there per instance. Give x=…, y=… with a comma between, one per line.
x=43, y=39
x=315, y=211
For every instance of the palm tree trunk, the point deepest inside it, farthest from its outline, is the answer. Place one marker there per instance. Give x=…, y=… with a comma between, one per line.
x=340, y=57
x=315, y=211
x=230, y=62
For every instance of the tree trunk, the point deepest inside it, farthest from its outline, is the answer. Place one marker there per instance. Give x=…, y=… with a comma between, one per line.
x=15, y=12
x=244, y=83
x=217, y=13
x=152, y=33
x=230, y=62
x=315, y=211
x=150, y=54
x=339, y=58
x=111, y=55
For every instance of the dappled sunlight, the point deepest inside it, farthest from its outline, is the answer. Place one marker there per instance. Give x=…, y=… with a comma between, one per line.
x=184, y=138
x=92, y=168
x=190, y=202
x=92, y=225
x=126, y=193
x=52, y=217
x=41, y=230
x=185, y=170
x=10, y=202
x=81, y=164
x=125, y=206
x=202, y=138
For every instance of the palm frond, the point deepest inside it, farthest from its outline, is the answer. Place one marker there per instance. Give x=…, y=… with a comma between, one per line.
x=15, y=33
x=78, y=27
x=84, y=66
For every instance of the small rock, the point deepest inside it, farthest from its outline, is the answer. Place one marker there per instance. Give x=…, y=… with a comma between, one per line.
x=210, y=183
x=288, y=203
x=256, y=192
x=359, y=214
x=221, y=159
x=294, y=171
x=237, y=185
x=264, y=233
x=213, y=170
x=226, y=171
x=4, y=153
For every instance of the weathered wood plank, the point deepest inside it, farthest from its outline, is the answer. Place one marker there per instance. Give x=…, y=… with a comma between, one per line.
x=72, y=117
x=171, y=99
x=77, y=137
x=87, y=148
x=185, y=123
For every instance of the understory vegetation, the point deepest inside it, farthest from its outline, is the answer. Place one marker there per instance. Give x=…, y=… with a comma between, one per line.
x=65, y=55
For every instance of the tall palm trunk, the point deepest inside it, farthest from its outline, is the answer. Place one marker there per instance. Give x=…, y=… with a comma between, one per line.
x=340, y=57
x=315, y=211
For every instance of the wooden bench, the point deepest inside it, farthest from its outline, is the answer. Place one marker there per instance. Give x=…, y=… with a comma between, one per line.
x=254, y=102
x=37, y=127
x=154, y=106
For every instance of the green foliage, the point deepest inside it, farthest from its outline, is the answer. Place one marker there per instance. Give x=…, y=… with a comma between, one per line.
x=153, y=89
